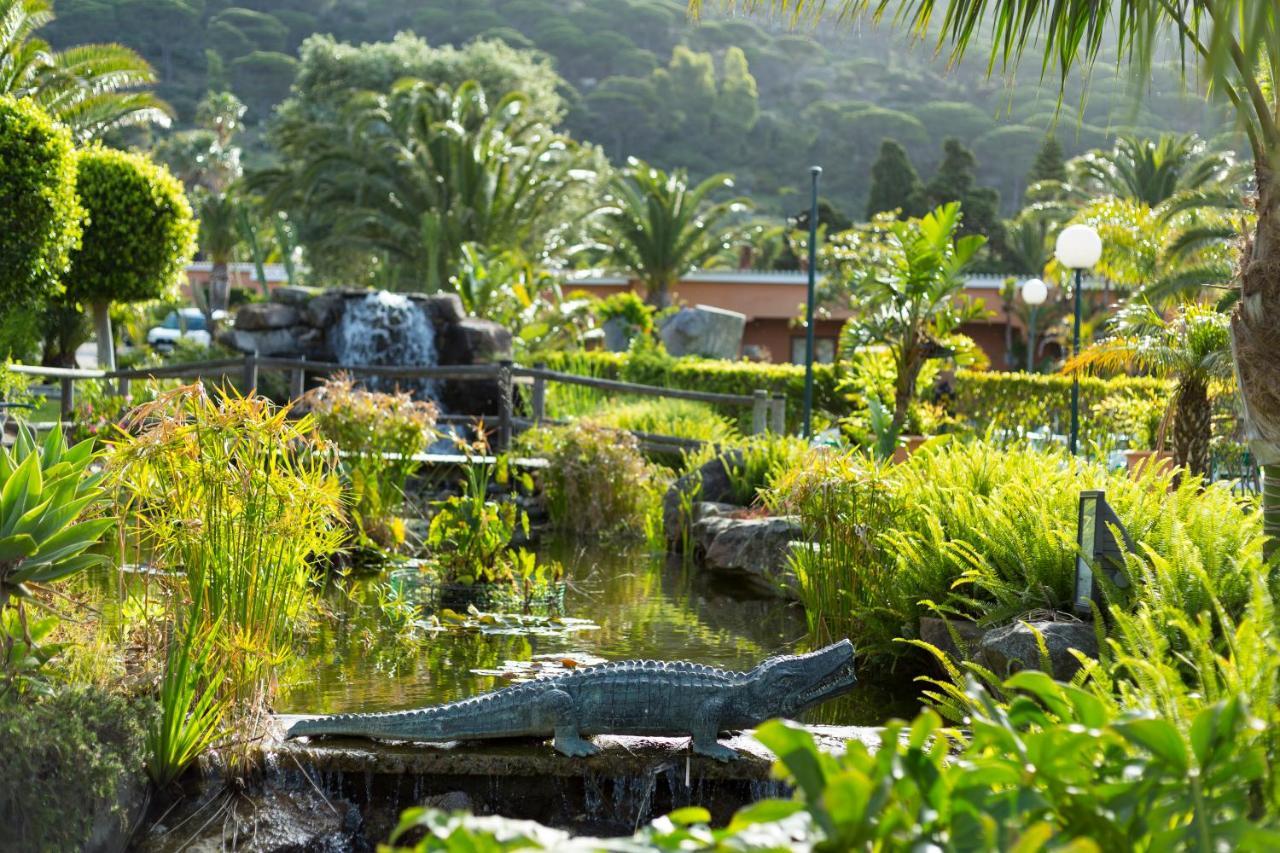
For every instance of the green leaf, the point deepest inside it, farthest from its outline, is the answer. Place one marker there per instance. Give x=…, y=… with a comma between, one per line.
x=1159, y=737
x=16, y=547
x=764, y=811
x=690, y=815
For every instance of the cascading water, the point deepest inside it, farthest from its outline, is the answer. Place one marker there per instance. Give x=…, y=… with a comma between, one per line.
x=384, y=328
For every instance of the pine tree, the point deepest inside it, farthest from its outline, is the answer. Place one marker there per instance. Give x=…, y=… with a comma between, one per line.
x=1050, y=164
x=737, y=106
x=955, y=181
x=894, y=182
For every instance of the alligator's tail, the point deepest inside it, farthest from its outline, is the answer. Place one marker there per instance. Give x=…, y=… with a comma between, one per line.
x=499, y=714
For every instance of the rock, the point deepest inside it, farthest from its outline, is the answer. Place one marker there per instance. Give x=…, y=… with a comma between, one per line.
x=269, y=342
x=710, y=483
x=705, y=531
x=274, y=821
x=294, y=295
x=1011, y=648
x=259, y=316
x=754, y=550
x=473, y=341
x=708, y=509
x=617, y=334
x=313, y=344
x=704, y=330
x=324, y=310
x=934, y=630
x=444, y=309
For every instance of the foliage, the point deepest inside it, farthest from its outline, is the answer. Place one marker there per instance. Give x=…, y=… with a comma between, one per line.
x=894, y=183
x=47, y=493
x=596, y=481
x=755, y=464
x=140, y=231
x=657, y=226
x=191, y=709
x=954, y=183
x=1191, y=348
x=241, y=499
x=628, y=308
x=908, y=284
x=82, y=734
x=89, y=88
x=679, y=418
x=466, y=170
x=989, y=534
x=40, y=216
x=377, y=434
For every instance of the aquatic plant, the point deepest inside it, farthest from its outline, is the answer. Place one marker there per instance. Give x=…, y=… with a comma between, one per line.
x=753, y=465
x=596, y=481
x=48, y=496
x=192, y=710
x=378, y=435
x=241, y=499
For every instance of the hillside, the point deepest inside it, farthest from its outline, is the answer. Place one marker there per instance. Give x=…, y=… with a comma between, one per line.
x=727, y=94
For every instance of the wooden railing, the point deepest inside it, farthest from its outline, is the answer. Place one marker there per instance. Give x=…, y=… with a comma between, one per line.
x=768, y=413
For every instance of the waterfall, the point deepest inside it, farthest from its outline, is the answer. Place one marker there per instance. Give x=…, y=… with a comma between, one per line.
x=388, y=329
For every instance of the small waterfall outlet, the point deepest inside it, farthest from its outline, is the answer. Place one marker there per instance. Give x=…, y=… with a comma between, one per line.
x=384, y=328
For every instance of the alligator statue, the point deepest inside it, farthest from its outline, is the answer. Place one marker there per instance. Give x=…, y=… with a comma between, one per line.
x=673, y=698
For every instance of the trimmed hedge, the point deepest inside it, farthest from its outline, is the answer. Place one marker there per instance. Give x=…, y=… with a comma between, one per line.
x=984, y=400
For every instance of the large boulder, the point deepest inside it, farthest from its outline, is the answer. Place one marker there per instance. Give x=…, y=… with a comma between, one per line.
x=753, y=551
x=474, y=341
x=294, y=295
x=324, y=310
x=1011, y=648
x=444, y=309
x=704, y=331
x=709, y=483
x=260, y=316
x=281, y=342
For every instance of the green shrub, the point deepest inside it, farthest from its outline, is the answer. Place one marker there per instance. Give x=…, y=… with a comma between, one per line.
x=63, y=757
x=378, y=435
x=757, y=462
x=39, y=213
x=596, y=481
x=139, y=232
x=629, y=308
x=679, y=418
x=989, y=534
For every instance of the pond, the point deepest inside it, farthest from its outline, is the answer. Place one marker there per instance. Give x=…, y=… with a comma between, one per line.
x=639, y=605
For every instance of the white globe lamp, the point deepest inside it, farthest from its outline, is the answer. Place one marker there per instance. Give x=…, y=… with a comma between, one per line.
x=1034, y=291
x=1079, y=247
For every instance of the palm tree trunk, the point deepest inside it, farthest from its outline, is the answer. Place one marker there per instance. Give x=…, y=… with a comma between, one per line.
x=1255, y=340
x=1192, y=428
x=219, y=286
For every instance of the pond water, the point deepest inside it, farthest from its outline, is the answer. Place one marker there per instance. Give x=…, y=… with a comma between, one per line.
x=641, y=606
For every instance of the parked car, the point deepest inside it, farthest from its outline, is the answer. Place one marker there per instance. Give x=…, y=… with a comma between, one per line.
x=186, y=324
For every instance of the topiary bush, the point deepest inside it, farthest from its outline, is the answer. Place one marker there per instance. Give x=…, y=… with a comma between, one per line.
x=138, y=235
x=39, y=214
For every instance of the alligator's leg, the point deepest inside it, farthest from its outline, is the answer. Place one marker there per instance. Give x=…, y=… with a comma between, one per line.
x=706, y=731
x=556, y=707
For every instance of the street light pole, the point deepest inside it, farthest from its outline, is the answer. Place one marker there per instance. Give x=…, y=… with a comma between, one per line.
x=814, y=172
x=1075, y=376
x=1034, y=293
x=1031, y=338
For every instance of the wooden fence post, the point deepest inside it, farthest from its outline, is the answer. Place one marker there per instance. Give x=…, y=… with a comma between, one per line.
x=504, y=405
x=68, y=397
x=759, y=412
x=778, y=410
x=123, y=387
x=250, y=373
x=297, y=382
x=539, y=394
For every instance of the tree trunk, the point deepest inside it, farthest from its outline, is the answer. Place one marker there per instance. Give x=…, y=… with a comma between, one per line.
x=219, y=286
x=904, y=388
x=102, y=330
x=659, y=295
x=1255, y=340
x=1192, y=428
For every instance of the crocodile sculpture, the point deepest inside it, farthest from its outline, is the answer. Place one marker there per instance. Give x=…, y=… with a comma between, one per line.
x=673, y=698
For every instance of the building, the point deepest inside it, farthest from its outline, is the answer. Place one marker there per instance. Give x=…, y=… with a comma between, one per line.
x=773, y=302
x=240, y=274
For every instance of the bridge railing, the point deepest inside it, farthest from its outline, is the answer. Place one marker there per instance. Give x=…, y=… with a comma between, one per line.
x=768, y=413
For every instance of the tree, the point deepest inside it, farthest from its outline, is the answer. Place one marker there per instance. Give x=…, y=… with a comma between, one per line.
x=138, y=237
x=90, y=88
x=1236, y=46
x=39, y=214
x=657, y=227
x=737, y=106
x=1152, y=171
x=1050, y=164
x=955, y=182
x=1193, y=348
x=894, y=183
x=421, y=171
x=904, y=283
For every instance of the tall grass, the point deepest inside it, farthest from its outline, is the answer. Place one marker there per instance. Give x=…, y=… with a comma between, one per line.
x=240, y=500
x=679, y=418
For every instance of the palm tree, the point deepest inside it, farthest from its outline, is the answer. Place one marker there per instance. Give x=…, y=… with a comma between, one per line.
x=658, y=228
x=424, y=170
x=1152, y=171
x=1193, y=348
x=91, y=88
x=219, y=237
x=1234, y=45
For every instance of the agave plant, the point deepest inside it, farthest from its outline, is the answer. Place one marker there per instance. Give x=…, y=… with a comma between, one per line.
x=46, y=490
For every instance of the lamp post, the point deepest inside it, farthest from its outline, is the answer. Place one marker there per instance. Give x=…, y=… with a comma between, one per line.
x=1034, y=293
x=814, y=172
x=1078, y=248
